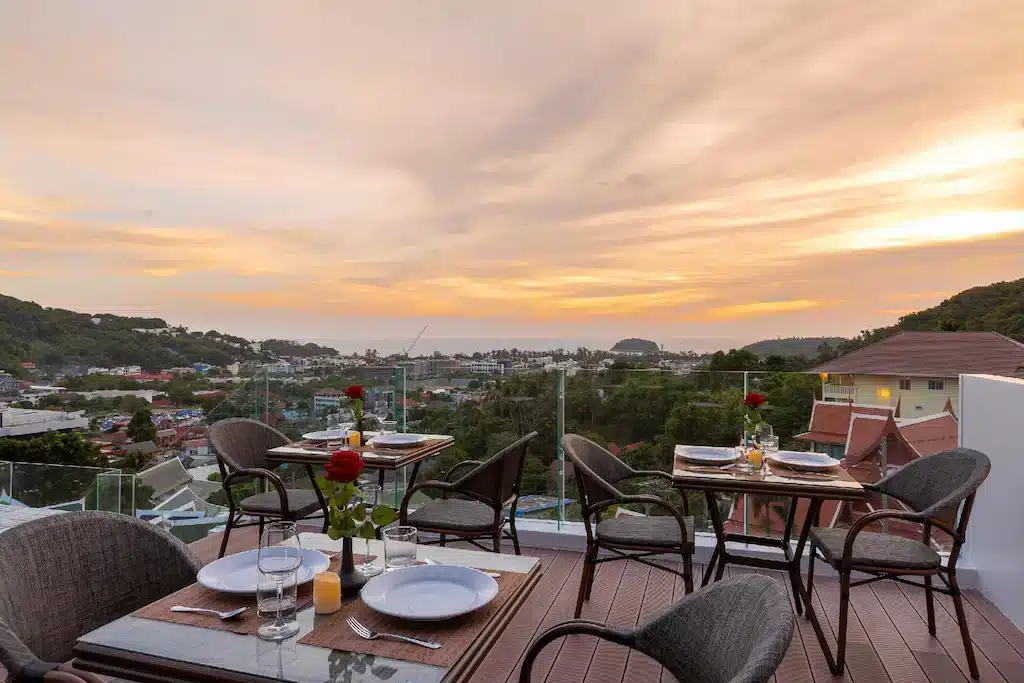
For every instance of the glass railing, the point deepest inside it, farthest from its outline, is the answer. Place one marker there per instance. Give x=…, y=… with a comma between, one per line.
x=67, y=487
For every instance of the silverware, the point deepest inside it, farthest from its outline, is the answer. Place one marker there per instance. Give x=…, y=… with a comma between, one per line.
x=223, y=615
x=493, y=575
x=807, y=475
x=366, y=633
x=707, y=468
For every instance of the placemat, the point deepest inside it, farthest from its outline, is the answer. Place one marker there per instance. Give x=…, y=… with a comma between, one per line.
x=331, y=446
x=197, y=595
x=455, y=635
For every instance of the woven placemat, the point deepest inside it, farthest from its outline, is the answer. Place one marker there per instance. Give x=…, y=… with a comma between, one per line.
x=455, y=635
x=196, y=595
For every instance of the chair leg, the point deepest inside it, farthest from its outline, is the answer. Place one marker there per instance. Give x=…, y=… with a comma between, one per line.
x=515, y=535
x=810, y=576
x=227, y=533
x=444, y=539
x=844, y=613
x=497, y=541
x=961, y=618
x=688, y=572
x=261, y=526
x=585, y=581
x=929, y=595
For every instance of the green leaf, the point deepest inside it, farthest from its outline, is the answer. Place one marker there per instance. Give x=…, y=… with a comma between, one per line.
x=324, y=485
x=359, y=512
x=365, y=530
x=343, y=495
x=347, y=527
x=383, y=515
x=333, y=533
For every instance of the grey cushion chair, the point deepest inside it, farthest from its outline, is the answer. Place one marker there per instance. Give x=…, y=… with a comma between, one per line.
x=598, y=472
x=241, y=446
x=939, y=491
x=734, y=631
x=66, y=575
x=485, y=490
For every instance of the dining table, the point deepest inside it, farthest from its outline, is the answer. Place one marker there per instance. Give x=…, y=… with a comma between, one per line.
x=778, y=481
x=376, y=457
x=152, y=650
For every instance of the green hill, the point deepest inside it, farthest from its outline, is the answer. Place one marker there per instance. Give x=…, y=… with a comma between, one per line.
x=54, y=339
x=634, y=345
x=281, y=347
x=998, y=307
x=792, y=346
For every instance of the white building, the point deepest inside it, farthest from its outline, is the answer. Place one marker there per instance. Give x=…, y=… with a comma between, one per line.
x=483, y=367
x=233, y=368
x=280, y=368
x=126, y=370
x=327, y=398
x=22, y=422
x=98, y=371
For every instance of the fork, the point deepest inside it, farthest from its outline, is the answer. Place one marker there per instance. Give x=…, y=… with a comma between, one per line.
x=366, y=633
x=223, y=615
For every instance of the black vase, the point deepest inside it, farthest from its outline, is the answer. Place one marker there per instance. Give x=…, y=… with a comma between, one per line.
x=352, y=580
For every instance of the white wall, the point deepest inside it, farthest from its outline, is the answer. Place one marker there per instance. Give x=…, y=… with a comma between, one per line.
x=992, y=415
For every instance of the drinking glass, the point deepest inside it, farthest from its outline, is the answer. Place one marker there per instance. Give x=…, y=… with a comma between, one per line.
x=333, y=421
x=267, y=604
x=372, y=495
x=279, y=558
x=388, y=426
x=400, y=546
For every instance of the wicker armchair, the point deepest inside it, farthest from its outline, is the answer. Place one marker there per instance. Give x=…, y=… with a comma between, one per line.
x=479, y=511
x=734, y=631
x=241, y=446
x=636, y=538
x=66, y=575
x=939, y=491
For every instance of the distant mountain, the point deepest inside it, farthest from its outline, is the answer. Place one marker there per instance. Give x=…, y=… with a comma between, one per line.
x=634, y=345
x=54, y=339
x=998, y=307
x=792, y=346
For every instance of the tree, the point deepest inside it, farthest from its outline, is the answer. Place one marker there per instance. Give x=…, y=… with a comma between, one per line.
x=141, y=427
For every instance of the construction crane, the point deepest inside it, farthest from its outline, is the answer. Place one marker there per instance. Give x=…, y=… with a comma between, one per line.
x=406, y=351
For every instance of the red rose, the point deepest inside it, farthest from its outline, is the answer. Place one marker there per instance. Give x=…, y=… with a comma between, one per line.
x=355, y=392
x=344, y=466
x=753, y=400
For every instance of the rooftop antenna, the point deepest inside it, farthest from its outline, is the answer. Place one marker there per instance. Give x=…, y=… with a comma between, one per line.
x=407, y=350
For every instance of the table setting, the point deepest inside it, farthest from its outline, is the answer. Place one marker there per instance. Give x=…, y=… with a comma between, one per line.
x=394, y=600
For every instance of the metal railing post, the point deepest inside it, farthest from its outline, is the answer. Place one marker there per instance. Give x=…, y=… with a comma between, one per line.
x=559, y=433
x=746, y=497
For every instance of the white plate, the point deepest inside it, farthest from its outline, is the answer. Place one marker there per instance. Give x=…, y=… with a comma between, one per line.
x=429, y=592
x=707, y=455
x=239, y=573
x=807, y=462
x=326, y=435
x=397, y=440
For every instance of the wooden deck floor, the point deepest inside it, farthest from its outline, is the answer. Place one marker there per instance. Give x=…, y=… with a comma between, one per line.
x=888, y=637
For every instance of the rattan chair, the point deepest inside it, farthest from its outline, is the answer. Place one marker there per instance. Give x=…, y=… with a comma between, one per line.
x=472, y=507
x=598, y=472
x=241, y=446
x=939, y=491
x=68, y=574
x=734, y=631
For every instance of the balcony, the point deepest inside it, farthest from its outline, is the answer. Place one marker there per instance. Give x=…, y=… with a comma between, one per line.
x=640, y=415
x=839, y=393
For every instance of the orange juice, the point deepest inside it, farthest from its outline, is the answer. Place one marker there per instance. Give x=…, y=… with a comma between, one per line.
x=355, y=438
x=755, y=458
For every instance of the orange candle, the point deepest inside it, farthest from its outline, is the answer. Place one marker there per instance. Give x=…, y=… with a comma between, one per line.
x=326, y=593
x=755, y=458
x=355, y=438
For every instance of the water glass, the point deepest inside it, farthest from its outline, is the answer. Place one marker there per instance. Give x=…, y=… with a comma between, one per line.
x=266, y=598
x=279, y=558
x=388, y=426
x=372, y=496
x=400, y=546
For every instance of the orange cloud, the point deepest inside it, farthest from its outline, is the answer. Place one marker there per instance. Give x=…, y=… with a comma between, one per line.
x=758, y=308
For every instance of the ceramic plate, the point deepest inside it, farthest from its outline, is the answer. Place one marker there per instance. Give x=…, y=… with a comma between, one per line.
x=239, y=573
x=707, y=455
x=327, y=435
x=806, y=462
x=398, y=440
x=429, y=592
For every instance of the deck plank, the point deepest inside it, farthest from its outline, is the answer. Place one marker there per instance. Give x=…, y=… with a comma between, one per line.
x=861, y=659
x=608, y=664
x=1007, y=629
x=928, y=651
x=658, y=596
x=899, y=662
x=520, y=632
x=949, y=635
x=573, y=658
x=988, y=640
x=678, y=591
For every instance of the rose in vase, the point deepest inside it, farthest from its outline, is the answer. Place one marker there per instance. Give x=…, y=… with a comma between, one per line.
x=752, y=413
x=356, y=395
x=349, y=514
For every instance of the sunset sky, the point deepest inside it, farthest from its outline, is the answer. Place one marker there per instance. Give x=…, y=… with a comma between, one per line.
x=717, y=169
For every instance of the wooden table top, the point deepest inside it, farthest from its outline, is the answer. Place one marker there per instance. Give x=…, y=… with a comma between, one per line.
x=305, y=452
x=780, y=481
